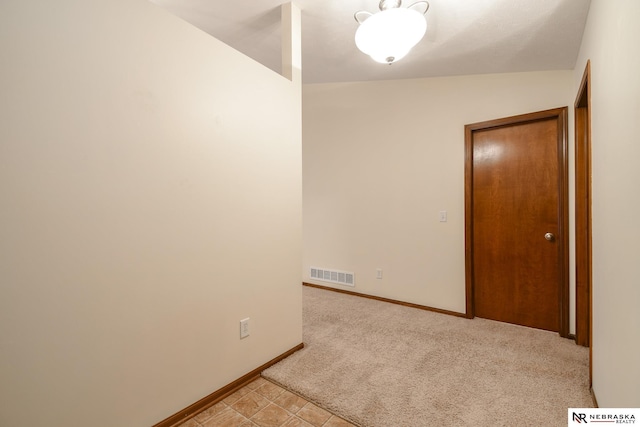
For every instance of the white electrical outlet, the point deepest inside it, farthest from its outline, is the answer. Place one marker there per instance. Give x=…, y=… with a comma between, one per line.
x=443, y=216
x=379, y=273
x=244, y=328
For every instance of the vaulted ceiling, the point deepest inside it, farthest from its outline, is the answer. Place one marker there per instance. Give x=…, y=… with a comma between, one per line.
x=463, y=36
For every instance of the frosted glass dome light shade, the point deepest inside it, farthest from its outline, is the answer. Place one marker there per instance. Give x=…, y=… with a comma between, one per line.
x=390, y=34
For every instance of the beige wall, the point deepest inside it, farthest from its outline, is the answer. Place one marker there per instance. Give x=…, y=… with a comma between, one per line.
x=381, y=159
x=611, y=43
x=150, y=179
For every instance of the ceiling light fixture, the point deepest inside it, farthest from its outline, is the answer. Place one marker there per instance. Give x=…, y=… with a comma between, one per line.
x=389, y=35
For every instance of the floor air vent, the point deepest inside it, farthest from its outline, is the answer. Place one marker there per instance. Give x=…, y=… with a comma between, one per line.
x=333, y=276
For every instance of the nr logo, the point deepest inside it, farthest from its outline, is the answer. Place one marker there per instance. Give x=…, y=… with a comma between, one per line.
x=580, y=418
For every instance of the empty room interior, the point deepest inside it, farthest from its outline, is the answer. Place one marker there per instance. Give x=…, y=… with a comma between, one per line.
x=173, y=171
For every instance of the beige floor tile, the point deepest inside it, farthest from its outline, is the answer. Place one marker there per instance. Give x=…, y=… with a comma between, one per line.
x=233, y=398
x=337, y=422
x=226, y=418
x=271, y=416
x=270, y=391
x=290, y=401
x=296, y=422
x=250, y=404
x=313, y=415
x=189, y=423
x=203, y=416
x=257, y=383
x=265, y=404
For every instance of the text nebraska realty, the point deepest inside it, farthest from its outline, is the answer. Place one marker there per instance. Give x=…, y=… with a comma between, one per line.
x=606, y=418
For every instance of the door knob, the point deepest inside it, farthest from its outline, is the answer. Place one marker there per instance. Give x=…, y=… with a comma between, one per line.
x=549, y=236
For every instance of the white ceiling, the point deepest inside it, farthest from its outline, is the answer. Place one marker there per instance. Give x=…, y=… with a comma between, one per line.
x=463, y=36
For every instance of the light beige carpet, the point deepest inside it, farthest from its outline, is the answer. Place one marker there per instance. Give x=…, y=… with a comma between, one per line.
x=380, y=365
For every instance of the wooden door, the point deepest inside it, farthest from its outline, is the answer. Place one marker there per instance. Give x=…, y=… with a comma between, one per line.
x=516, y=220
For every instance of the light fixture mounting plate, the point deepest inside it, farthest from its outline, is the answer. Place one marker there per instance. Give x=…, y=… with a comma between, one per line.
x=389, y=4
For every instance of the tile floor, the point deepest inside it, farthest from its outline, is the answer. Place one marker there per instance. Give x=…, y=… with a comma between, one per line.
x=264, y=404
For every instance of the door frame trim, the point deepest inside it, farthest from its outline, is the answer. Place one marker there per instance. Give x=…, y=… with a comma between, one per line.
x=559, y=114
x=583, y=244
